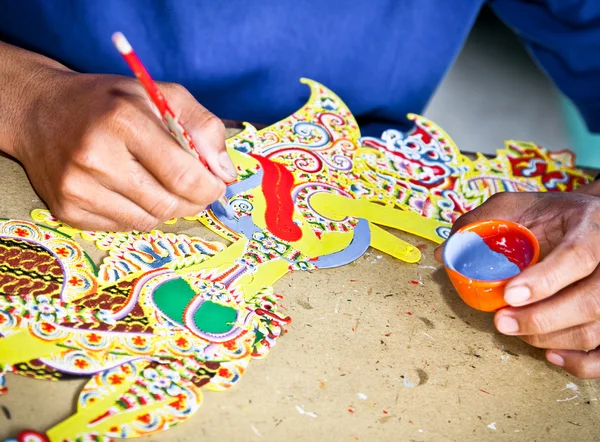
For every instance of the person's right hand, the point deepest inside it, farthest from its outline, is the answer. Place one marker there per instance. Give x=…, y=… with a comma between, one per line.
x=101, y=158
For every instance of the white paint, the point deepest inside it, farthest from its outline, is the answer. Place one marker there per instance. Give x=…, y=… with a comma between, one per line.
x=428, y=267
x=492, y=426
x=337, y=305
x=429, y=336
x=571, y=386
x=255, y=430
x=362, y=396
x=567, y=399
x=407, y=383
x=305, y=413
x=420, y=431
x=121, y=43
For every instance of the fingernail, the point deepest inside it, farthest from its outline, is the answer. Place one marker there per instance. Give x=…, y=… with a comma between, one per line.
x=227, y=165
x=506, y=324
x=556, y=359
x=517, y=295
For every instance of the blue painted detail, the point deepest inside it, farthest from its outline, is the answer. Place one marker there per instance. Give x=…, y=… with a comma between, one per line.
x=358, y=246
x=468, y=254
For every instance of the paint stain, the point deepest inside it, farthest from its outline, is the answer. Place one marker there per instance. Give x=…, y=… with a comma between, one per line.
x=430, y=325
x=387, y=335
x=305, y=304
x=351, y=409
x=353, y=280
x=385, y=412
x=571, y=386
x=483, y=391
x=385, y=419
x=322, y=385
x=423, y=376
x=407, y=383
x=413, y=282
x=409, y=313
x=6, y=412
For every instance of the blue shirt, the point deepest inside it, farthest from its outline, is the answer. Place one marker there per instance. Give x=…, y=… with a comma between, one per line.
x=242, y=60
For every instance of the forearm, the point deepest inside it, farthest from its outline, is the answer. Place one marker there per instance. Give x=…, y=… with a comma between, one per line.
x=23, y=76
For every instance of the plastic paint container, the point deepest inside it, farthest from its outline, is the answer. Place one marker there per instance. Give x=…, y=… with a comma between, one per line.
x=482, y=257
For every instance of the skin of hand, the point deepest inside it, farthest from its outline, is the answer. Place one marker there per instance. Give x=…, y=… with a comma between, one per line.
x=96, y=150
x=554, y=304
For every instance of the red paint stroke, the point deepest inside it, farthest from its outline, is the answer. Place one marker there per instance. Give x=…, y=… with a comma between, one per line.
x=483, y=391
x=511, y=243
x=413, y=282
x=353, y=280
x=387, y=335
x=351, y=409
x=385, y=412
x=277, y=184
x=264, y=312
x=409, y=313
x=425, y=136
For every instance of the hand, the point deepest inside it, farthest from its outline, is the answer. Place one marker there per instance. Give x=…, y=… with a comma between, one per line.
x=101, y=158
x=555, y=304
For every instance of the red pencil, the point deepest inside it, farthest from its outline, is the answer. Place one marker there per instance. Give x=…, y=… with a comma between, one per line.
x=157, y=97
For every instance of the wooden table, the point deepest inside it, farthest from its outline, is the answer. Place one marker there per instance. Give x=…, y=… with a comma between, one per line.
x=371, y=355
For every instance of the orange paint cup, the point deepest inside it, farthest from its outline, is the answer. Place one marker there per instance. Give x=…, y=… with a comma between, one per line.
x=482, y=257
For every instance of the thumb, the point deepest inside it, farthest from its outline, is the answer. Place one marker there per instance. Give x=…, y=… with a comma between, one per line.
x=206, y=129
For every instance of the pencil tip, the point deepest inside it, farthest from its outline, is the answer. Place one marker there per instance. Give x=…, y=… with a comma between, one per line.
x=121, y=43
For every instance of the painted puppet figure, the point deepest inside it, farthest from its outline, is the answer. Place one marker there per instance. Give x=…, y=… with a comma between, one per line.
x=166, y=315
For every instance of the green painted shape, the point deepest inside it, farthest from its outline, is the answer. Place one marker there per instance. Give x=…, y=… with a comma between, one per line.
x=215, y=318
x=173, y=297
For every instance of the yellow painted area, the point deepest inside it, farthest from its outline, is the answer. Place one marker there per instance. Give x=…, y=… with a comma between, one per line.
x=80, y=422
x=23, y=346
x=241, y=160
x=225, y=258
x=392, y=245
x=332, y=205
x=265, y=275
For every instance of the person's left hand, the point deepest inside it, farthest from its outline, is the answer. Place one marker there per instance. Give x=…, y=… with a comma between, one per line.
x=555, y=304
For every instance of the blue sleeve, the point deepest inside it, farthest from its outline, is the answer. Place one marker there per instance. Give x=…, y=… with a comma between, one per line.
x=564, y=37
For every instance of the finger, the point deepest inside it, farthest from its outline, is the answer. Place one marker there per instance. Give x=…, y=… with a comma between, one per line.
x=439, y=252
x=575, y=258
x=125, y=214
x=135, y=183
x=581, y=337
x=207, y=131
x=85, y=220
x=173, y=167
x=577, y=304
x=584, y=365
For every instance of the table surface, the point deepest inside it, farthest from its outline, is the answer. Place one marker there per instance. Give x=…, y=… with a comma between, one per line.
x=369, y=356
